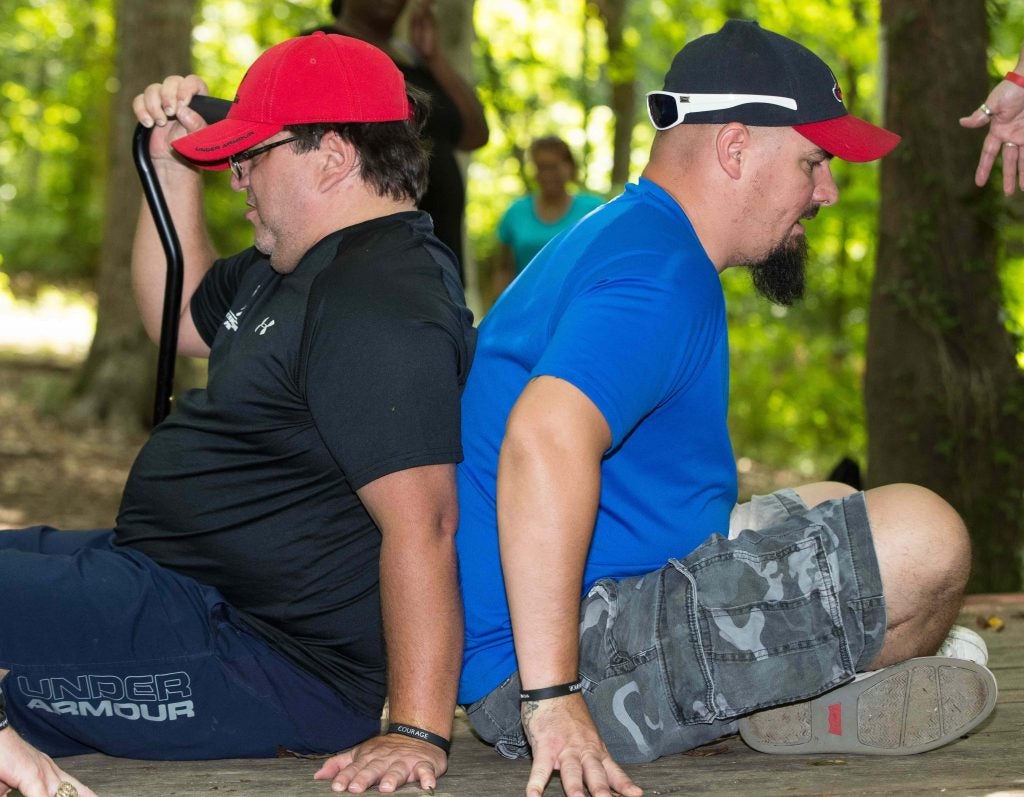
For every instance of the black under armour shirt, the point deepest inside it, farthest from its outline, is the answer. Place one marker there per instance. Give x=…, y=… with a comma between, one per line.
x=321, y=380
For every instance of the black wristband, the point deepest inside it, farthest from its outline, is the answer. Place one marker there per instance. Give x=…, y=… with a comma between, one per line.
x=549, y=692
x=418, y=733
x=3, y=712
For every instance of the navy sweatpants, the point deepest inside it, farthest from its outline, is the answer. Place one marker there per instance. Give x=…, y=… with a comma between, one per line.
x=109, y=652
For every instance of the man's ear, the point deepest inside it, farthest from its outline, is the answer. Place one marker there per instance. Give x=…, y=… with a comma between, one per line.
x=339, y=161
x=731, y=145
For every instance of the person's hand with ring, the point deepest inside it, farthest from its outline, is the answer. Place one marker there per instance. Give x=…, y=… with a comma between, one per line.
x=32, y=772
x=1003, y=112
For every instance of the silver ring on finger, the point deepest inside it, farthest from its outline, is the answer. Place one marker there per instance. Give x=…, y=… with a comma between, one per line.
x=1009, y=144
x=985, y=109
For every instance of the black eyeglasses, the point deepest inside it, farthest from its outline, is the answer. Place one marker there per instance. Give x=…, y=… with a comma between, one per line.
x=236, y=161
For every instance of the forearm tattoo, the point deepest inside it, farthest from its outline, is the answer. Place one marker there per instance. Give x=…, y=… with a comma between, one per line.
x=528, y=709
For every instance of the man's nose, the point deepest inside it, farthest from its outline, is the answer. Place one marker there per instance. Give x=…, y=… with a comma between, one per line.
x=825, y=190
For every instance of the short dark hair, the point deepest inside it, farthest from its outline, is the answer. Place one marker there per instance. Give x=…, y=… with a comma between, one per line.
x=393, y=156
x=336, y=8
x=556, y=145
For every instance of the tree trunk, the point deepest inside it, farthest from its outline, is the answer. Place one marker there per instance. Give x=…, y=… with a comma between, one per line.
x=944, y=395
x=622, y=79
x=115, y=384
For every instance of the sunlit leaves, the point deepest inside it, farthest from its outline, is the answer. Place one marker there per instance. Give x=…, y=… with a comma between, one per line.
x=54, y=59
x=542, y=66
x=796, y=375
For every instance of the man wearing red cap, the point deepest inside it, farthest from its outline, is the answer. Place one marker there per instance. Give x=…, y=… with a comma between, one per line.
x=597, y=450
x=295, y=519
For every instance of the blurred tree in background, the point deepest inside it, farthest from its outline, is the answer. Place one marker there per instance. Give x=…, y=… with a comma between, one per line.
x=116, y=381
x=796, y=398
x=945, y=395
x=574, y=68
x=56, y=80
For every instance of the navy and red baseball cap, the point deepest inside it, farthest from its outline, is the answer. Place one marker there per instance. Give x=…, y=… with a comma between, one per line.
x=774, y=82
x=319, y=78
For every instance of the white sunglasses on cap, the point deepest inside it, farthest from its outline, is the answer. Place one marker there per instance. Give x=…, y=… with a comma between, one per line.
x=667, y=109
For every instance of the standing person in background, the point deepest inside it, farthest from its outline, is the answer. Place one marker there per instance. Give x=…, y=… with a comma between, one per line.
x=1004, y=109
x=456, y=120
x=533, y=220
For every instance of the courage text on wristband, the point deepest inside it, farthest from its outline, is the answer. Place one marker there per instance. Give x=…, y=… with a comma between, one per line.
x=1013, y=77
x=548, y=692
x=418, y=733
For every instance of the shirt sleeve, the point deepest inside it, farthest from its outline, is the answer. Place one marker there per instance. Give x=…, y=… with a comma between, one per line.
x=385, y=366
x=631, y=342
x=218, y=288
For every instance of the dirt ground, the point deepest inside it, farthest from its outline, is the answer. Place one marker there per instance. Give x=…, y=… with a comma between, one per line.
x=72, y=478
x=50, y=474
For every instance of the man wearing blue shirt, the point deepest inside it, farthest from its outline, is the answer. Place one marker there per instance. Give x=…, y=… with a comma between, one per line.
x=597, y=451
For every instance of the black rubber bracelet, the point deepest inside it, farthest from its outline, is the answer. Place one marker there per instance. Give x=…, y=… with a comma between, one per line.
x=3, y=712
x=549, y=692
x=418, y=733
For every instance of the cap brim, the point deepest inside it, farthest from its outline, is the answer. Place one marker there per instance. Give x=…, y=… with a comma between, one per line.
x=210, y=147
x=850, y=138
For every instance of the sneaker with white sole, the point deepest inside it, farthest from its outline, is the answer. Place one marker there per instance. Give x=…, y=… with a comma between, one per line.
x=912, y=707
x=963, y=643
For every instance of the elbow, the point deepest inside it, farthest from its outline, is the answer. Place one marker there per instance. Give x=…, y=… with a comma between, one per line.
x=153, y=331
x=445, y=522
x=529, y=445
x=474, y=137
x=439, y=527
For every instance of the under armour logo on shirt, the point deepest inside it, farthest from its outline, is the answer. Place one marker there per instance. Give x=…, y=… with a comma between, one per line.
x=231, y=319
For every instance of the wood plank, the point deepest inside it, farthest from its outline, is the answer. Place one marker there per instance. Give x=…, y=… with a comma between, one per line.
x=990, y=761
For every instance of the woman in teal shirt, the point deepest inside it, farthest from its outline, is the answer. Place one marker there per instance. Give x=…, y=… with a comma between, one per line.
x=531, y=221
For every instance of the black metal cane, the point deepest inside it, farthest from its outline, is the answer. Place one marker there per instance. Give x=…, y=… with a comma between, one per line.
x=212, y=109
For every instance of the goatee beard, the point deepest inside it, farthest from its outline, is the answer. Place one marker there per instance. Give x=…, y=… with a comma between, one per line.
x=779, y=277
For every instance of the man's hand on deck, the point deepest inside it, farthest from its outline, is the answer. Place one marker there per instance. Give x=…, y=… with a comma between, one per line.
x=388, y=762
x=563, y=737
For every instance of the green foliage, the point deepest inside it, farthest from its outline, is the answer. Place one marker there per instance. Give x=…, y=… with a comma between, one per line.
x=228, y=36
x=538, y=68
x=796, y=400
x=542, y=67
x=56, y=82
x=56, y=58
x=1006, y=23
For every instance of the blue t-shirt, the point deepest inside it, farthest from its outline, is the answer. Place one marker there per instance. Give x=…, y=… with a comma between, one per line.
x=525, y=233
x=629, y=309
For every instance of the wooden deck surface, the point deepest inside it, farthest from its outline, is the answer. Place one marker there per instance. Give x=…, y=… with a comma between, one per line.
x=988, y=763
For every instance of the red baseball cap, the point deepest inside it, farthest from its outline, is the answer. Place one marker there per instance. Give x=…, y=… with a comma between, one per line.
x=309, y=79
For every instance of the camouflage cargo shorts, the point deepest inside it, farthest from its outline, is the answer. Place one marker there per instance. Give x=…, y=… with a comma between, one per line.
x=789, y=608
